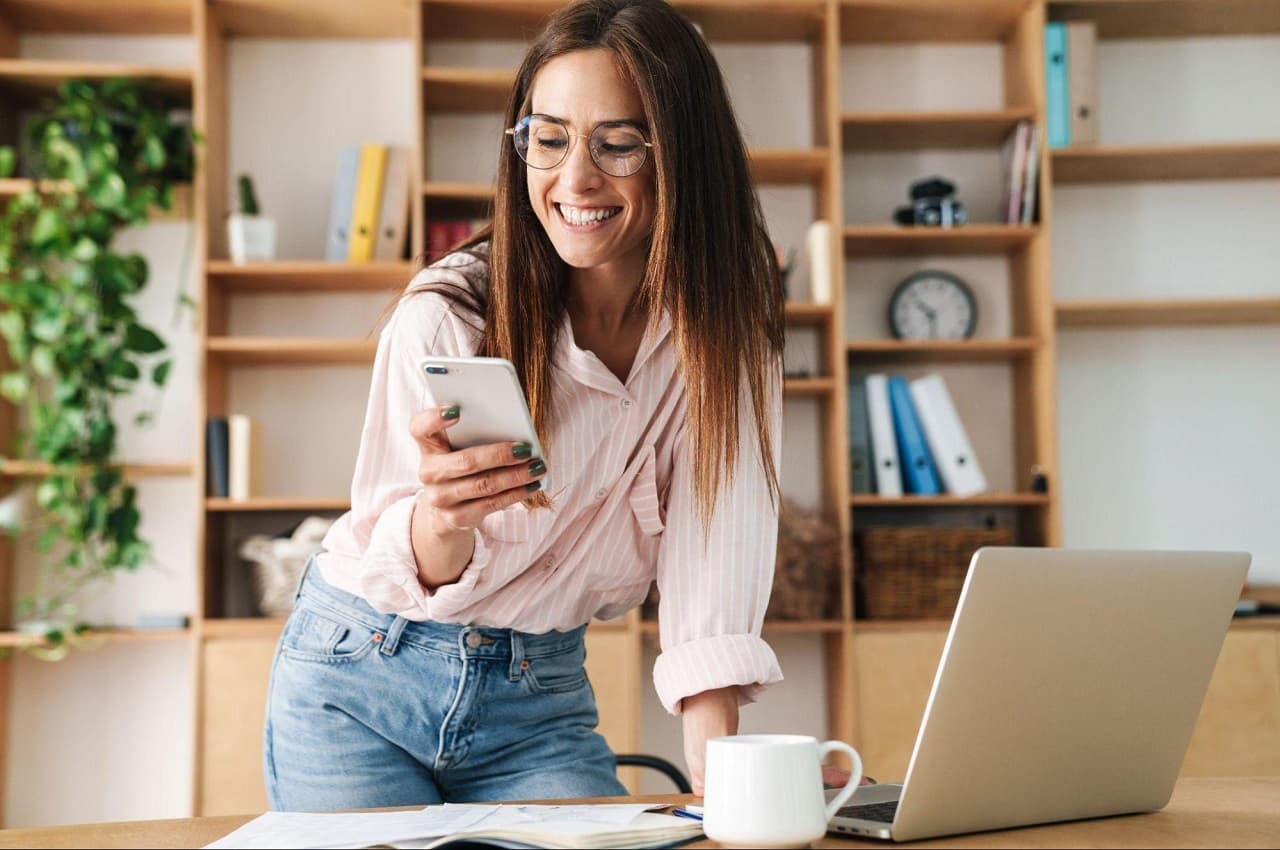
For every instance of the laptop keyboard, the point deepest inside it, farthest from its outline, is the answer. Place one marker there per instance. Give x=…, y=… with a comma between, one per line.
x=881, y=812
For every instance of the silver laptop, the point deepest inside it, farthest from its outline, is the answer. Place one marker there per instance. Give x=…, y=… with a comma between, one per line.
x=1068, y=688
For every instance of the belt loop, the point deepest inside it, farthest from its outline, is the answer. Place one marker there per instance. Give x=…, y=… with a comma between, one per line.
x=392, y=639
x=517, y=656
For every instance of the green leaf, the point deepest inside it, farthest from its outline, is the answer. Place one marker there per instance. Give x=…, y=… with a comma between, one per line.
x=144, y=419
x=8, y=159
x=109, y=193
x=142, y=340
x=85, y=250
x=14, y=386
x=49, y=327
x=160, y=373
x=43, y=361
x=122, y=368
x=48, y=228
x=12, y=325
x=153, y=153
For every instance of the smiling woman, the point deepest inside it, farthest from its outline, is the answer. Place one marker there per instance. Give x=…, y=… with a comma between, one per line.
x=435, y=652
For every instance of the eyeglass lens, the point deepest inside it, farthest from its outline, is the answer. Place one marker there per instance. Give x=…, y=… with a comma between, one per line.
x=617, y=150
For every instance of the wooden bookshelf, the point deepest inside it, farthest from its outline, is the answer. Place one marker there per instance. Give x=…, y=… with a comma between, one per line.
x=33, y=78
x=35, y=469
x=1172, y=18
x=27, y=640
x=809, y=387
x=879, y=22
x=894, y=131
x=981, y=500
x=479, y=193
x=259, y=504
x=261, y=351
x=789, y=166
x=466, y=89
x=807, y=313
x=887, y=240
x=1168, y=312
x=302, y=276
x=972, y=350
x=143, y=17
x=1130, y=163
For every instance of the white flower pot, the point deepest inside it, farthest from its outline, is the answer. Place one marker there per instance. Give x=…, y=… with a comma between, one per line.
x=251, y=238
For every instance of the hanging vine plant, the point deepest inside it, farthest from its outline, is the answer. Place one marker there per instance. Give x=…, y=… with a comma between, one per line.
x=102, y=155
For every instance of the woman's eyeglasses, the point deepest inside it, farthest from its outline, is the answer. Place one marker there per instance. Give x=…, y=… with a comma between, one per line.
x=617, y=148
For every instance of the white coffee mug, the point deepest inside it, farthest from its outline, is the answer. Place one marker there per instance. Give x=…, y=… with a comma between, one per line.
x=766, y=790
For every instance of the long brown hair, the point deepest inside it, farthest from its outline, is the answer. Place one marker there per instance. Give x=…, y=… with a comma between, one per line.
x=711, y=264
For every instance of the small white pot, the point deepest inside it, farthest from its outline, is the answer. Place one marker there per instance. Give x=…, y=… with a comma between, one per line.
x=251, y=238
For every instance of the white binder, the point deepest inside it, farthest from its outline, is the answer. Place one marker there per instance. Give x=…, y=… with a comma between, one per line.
x=393, y=219
x=956, y=462
x=884, y=445
x=817, y=241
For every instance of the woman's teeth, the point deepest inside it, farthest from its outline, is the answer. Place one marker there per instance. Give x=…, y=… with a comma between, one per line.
x=586, y=215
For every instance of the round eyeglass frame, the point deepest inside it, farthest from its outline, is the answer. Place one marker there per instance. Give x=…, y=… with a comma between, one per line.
x=523, y=122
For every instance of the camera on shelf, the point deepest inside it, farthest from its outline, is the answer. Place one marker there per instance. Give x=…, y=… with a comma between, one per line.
x=932, y=205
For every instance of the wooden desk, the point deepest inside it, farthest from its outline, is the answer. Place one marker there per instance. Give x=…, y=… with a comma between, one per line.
x=1203, y=813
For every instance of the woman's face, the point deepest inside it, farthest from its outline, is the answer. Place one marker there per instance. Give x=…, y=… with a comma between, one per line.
x=592, y=218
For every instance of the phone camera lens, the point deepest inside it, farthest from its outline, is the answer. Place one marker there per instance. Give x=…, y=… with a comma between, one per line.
x=437, y=370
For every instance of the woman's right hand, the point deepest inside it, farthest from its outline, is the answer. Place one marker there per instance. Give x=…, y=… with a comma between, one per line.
x=461, y=487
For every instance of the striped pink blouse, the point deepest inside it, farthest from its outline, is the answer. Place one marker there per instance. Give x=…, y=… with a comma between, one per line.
x=623, y=510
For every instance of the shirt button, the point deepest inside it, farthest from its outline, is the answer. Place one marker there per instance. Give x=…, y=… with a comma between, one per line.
x=626, y=404
x=600, y=493
x=474, y=639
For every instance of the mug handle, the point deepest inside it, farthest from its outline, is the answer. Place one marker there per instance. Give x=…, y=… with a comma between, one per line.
x=855, y=777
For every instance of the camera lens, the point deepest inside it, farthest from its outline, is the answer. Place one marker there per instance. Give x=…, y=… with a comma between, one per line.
x=437, y=370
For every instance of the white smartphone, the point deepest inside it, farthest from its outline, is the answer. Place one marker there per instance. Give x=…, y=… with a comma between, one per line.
x=494, y=409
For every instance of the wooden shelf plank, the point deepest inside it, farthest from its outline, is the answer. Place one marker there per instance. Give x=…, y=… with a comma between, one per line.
x=216, y=505
x=972, y=350
x=809, y=313
x=309, y=276
x=265, y=351
x=1165, y=313
x=896, y=241
x=37, y=469
x=808, y=387
x=181, y=209
x=1171, y=18
x=772, y=166
x=144, y=17
x=265, y=628
x=313, y=19
x=24, y=640
x=36, y=78
x=436, y=190
x=880, y=131
x=466, y=89
x=742, y=20
x=1131, y=163
x=981, y=500
x=901, y=625
x=880, y=22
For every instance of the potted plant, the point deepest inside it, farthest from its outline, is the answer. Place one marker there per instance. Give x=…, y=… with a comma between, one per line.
x=102, y=156
x=250, y=235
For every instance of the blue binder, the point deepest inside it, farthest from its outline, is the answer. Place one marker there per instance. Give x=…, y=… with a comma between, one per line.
x=918, y=472
x=344, y=193
x=1057, y=90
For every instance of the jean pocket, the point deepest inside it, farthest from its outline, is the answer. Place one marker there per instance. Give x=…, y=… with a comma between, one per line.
x=557, y=673
x=314, y=636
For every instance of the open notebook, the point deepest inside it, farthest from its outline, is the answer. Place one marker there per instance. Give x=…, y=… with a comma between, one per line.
x=646, y=830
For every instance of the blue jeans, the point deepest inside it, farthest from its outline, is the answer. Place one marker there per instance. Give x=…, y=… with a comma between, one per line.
x=368, y=709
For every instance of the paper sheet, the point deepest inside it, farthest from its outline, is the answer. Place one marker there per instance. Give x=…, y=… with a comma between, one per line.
x=413, y=829
x=312, y=830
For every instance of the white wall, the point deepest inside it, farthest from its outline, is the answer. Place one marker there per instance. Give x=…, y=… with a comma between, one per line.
x=1165, y=435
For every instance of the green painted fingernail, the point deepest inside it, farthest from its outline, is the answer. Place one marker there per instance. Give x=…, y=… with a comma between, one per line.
x=522, y=450
x=533, y=486
x=450, y=412
x=537, y=468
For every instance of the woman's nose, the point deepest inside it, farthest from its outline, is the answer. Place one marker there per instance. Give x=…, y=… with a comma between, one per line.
x=578, y=171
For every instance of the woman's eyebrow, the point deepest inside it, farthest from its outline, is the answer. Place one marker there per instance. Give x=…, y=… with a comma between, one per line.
x=612, y=122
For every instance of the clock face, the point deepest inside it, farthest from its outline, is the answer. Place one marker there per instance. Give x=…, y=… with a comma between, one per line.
x=933, y=305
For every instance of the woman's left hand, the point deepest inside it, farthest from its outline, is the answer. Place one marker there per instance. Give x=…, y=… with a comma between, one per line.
x=834, y=777
x=707, y=715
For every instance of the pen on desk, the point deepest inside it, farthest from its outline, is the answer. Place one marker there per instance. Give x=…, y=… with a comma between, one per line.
x=685, y=813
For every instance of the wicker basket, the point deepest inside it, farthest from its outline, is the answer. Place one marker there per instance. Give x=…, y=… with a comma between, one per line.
x=917, y=573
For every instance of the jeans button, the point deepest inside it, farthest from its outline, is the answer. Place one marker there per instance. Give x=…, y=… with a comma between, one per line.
x=474, y=639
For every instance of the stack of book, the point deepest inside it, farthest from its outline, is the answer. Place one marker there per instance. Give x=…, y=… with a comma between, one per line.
x=906, y=438
x=1071, y=93
x=1020, y=161
x=443, y=234
x=233, y=446
x=369, y=212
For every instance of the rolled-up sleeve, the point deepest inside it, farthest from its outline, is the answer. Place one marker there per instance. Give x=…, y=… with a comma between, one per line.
x=714, y=588
x=374, y=539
